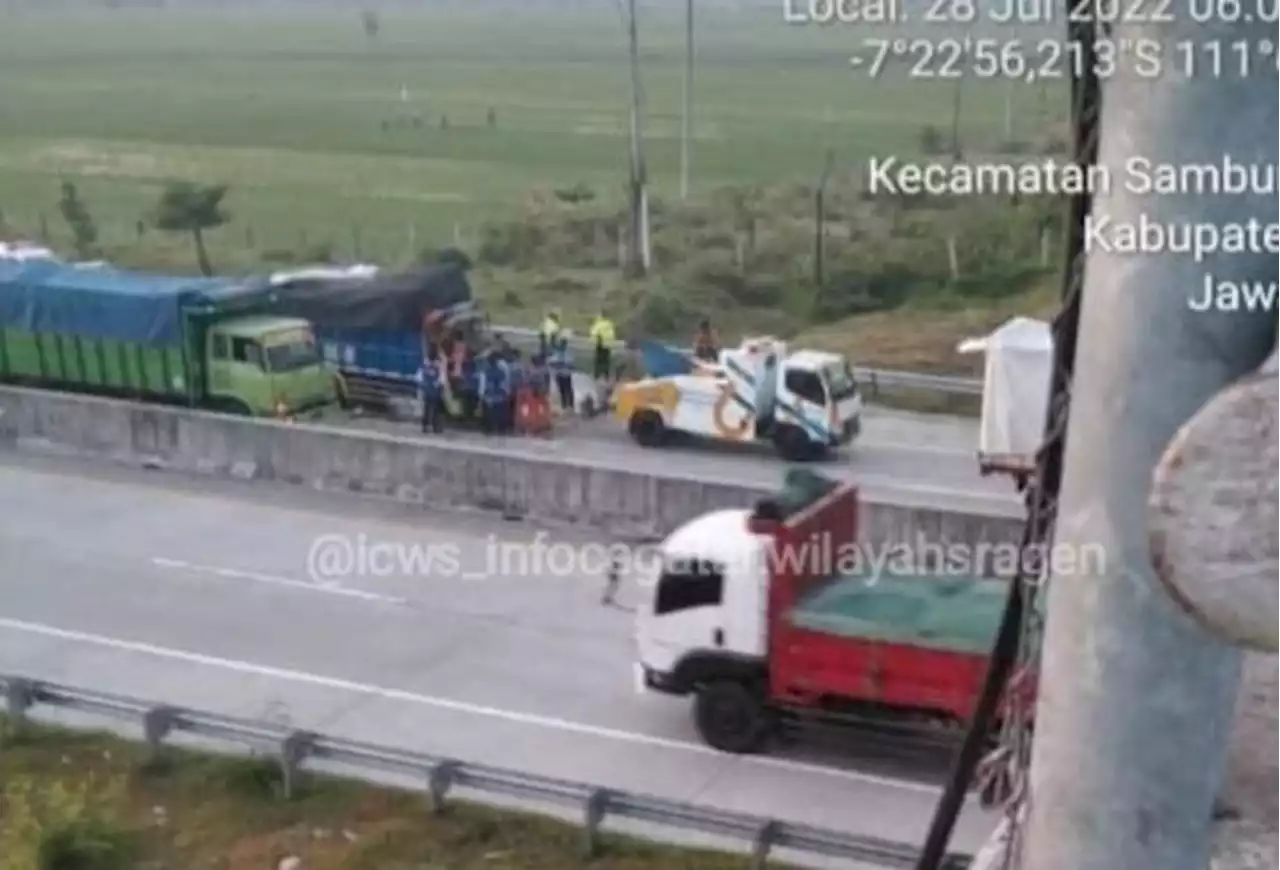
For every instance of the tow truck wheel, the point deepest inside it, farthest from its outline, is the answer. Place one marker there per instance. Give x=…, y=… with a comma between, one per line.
x=647, y=428
x=791, y=444
x=731, y=718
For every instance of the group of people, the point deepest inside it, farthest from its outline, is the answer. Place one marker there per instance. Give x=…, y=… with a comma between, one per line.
x=487, y=383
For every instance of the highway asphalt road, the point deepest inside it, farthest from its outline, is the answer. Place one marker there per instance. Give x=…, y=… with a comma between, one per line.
x=451, y=634
x=901, y=457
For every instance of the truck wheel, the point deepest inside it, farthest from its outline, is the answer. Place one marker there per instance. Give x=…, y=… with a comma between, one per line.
x=647, y=429
x=341, y=393
x=232, y=407
x=730, y=717
x=791, y=444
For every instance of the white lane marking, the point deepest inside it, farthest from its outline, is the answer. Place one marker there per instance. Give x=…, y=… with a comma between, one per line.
x=330, y=588
x=407, y=697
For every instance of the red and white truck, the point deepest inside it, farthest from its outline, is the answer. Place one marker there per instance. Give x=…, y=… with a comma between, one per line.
x=770, y=614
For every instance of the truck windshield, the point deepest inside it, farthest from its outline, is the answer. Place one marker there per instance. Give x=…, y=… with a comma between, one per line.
x=840, y=381
x=685, y=584
x=291, y=355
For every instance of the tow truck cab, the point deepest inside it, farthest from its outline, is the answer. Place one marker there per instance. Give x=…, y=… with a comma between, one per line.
x=767, y=614
x=805, y=403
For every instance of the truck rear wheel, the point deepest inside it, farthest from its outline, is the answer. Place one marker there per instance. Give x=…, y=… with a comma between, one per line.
x=731, y=717
x=647, y=429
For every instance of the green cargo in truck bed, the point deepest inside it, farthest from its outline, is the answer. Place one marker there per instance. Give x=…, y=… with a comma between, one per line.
x=939, y=611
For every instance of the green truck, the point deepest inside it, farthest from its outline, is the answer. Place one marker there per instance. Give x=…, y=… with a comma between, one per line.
x=198, y=342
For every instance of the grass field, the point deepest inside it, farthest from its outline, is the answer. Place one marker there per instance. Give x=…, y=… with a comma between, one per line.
x=289, y=110
x=61, y=790
x=311, y=123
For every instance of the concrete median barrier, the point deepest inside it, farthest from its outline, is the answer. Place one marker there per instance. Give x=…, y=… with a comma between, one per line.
x=417, y=471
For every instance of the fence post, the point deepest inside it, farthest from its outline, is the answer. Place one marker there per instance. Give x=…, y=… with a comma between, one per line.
x=19, y=697
x=594, y=809
x=294, y=750
x=439, y=780
x=763, y=844
x=156, y=725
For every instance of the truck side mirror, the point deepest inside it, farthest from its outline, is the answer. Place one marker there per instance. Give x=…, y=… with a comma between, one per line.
x=767, y=510
x=765, y=518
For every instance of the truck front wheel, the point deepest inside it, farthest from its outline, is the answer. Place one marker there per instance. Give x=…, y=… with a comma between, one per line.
x=647, y=429
x=731, y=717
x=232, y=407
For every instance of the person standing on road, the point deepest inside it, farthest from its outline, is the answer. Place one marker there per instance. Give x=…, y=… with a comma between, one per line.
x=603, y=336
x=518, y=377
x=495, y=383
x=706, y=344
x=550, y=333
x=430, y=384
x=562, y=366
x=540, y=377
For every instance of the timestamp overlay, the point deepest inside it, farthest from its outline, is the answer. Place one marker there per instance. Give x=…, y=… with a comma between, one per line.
x=1026, y=42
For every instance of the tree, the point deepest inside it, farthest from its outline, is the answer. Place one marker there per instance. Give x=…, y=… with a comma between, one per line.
x=83, y=230
x=371, y=22
x=186, y=207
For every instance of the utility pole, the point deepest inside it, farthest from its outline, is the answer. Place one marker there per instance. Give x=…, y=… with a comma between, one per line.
x=1136, y=701
x=1008, y=111
x=686, y=125
x=820, y=223
x=956, y=105
x=639, y=253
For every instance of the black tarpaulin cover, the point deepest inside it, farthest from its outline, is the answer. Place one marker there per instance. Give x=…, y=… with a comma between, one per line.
x=385, y=302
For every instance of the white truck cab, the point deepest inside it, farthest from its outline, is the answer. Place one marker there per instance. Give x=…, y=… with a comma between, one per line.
x=708, y=599
x=805, y=403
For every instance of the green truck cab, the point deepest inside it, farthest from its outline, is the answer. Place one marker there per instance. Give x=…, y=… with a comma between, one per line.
x=203, y=343
x=262, y=365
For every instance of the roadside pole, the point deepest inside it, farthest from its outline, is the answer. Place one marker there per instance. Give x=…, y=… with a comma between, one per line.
x=1136, y=702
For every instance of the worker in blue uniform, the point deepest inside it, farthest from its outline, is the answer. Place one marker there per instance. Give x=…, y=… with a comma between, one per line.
x=562, y=368
x=469, y=392
x=518, y=375
x=495, y=394
x=431, y=389
x=540, y=376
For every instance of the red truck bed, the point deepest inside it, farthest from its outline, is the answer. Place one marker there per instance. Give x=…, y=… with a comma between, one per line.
x=906, y=641
x=842, y=634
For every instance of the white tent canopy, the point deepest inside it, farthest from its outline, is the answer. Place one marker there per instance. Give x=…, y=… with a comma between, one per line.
x=1015, y=389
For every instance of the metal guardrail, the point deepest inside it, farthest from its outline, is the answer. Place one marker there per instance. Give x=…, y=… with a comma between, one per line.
x=293, y=748
x=872, y=380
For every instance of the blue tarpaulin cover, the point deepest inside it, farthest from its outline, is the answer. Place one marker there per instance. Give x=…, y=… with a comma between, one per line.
x=102, y=302
x=663, y=361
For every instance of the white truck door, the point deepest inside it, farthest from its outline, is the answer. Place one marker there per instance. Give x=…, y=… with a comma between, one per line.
x=746, y=600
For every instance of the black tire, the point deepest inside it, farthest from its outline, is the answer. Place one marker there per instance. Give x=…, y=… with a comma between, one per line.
x=341, y=393
x=647, y=429
x=791, y=444
x=231, y=407
x=731, y=717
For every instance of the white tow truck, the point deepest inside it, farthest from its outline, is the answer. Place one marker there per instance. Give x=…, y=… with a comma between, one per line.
x=805, y=403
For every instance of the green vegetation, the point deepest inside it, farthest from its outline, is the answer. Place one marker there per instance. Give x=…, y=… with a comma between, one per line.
x=394, y=136
x=191, y=208
x=82, y=801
